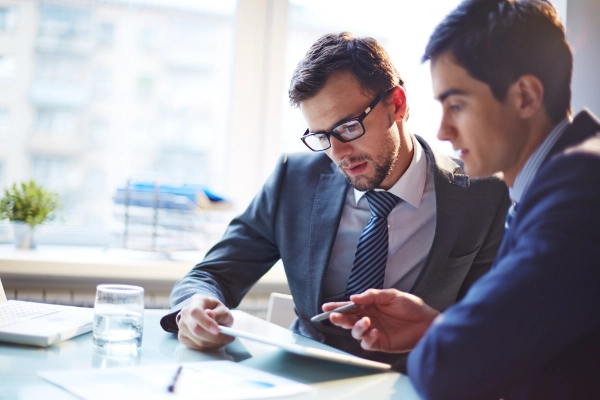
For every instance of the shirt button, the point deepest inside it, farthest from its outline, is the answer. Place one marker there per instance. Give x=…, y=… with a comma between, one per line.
x=389, y=226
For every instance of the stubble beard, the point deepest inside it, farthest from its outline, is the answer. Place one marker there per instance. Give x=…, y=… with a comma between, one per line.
x=383, y=167
x=383, y=163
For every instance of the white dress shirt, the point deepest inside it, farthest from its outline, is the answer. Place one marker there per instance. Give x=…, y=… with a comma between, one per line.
x=411, y=227
x=526, y=175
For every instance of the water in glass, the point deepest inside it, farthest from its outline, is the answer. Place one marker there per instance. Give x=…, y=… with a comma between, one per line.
x=118, y=317
x=118, y=327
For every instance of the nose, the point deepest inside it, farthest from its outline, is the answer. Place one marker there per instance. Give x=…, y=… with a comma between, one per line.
x=446, y=130
x=338, y=150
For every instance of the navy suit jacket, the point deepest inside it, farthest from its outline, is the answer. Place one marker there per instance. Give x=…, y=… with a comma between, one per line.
x=295, y=218
x=530, y=328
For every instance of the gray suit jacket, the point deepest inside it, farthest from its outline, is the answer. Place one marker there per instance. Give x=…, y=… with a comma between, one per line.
x=295, y=218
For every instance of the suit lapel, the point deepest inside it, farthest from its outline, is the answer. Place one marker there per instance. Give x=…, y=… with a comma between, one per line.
x=451, y=194
x=324, y=222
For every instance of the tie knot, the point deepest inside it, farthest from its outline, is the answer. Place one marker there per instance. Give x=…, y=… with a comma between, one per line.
x=381, y=203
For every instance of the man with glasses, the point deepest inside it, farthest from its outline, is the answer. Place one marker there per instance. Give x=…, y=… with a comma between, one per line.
x=372, y=207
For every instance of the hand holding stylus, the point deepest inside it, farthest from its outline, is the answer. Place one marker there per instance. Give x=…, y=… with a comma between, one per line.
x=342, y=309
x=388, y=320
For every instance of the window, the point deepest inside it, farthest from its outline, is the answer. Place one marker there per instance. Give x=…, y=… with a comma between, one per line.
x=58, y=68
x=106, y=34
x=145, y=87
x=7, y=66
x=148, y=39
x=54, y=172
x=65, y=28
x=4, y=123
x=102, y=84
x=63, y=21
x=190, y=89
x=101, y=108
x=59, y=124
x=8, y=19
x=97, y=132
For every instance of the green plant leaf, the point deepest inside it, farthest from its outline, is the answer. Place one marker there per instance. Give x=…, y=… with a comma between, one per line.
x=30, y=203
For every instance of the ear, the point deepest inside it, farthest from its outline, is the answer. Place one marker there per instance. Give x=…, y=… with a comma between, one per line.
x=529, y=96
x=400, y=106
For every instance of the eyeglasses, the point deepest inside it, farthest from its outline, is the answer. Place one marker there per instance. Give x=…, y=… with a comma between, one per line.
x=346, y=131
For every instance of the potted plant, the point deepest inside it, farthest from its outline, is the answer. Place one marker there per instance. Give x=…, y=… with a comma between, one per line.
x=27, y=205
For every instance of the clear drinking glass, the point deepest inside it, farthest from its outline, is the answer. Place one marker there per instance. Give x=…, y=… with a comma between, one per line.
x=119, y=317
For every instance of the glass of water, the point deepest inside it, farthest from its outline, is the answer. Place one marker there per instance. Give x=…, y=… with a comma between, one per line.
x=119, y=317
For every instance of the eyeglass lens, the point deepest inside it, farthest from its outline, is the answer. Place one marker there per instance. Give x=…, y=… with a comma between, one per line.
x=348, y=131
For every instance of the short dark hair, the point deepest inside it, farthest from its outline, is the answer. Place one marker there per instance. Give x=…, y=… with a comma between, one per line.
x=498, y=41
x=364, y=57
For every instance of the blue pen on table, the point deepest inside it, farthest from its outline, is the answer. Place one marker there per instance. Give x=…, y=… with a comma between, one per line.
x=171, y=387
x=342, y=309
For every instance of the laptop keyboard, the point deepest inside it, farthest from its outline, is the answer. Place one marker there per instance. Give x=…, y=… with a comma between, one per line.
x=13, y=312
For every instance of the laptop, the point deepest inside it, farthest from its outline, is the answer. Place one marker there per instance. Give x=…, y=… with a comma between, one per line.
x=308, y=351
x=40, y=324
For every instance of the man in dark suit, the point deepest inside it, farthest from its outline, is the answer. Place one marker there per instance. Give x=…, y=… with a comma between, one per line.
x=440, y=233
x=530, y=328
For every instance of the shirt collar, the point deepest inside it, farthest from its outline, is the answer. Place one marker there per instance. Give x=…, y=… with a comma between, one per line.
x=526, y=175
x=411, y=185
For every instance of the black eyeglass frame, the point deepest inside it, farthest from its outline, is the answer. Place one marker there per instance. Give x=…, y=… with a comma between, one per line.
x=358, y=119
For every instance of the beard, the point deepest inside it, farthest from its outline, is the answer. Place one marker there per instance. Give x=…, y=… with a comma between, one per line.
x=383, y=164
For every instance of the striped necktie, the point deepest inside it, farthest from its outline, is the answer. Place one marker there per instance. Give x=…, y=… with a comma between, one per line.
x=510, y=216
x=370, y=259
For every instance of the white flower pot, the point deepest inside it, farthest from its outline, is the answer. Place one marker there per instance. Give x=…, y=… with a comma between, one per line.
x=24, y=235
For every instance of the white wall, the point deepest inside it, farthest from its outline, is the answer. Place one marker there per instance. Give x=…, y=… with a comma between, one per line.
x=583, y=33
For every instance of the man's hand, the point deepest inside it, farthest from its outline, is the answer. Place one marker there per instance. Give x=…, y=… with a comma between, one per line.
x=198, y=323
x=388, y=320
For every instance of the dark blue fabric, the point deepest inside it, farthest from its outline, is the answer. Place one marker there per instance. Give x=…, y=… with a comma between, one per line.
x=530, y=328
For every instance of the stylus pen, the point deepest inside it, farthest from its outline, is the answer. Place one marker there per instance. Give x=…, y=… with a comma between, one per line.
x=171, y=387
x=342, y=309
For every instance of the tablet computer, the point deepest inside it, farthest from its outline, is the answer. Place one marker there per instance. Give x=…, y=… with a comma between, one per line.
x=307, y=351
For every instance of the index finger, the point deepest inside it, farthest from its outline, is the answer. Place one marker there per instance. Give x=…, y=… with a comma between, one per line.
x=375, y=296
